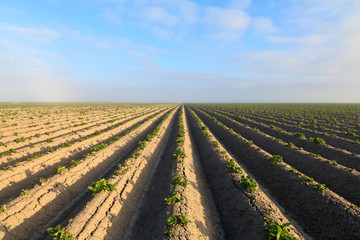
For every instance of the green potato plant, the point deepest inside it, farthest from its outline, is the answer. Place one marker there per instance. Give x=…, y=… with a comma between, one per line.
x=101, y=184
x=248, y=183
x=59, y=233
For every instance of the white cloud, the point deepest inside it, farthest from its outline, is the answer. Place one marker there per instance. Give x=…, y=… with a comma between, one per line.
x=39, y=34
x=167, y=19
x=112, y=16
x=108, y=44
x=228, y=24
x=240, y=3
x=165, y=16
x=184, y=12
x=263, y=25
x=160, y=32
x=320, y=67
x=160, y=16
x=188, y=11
x=10, y=45
x=227, y=19
x=309, y=40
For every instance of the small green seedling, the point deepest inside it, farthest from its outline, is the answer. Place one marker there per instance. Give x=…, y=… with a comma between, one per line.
x=175, y=192
x=59, y=233
x=42, y=180
x=172, y=200
x=299, y=135
x=290, y=144
x=250, y=142
x=278, y=232
x=74, y=163
x=60, y=169
x=136, y=155
x=178, y=219
x=318, y=141
x=232, y=167
x=204, y=128
x=180, y=141
x=66, y=144
x=319, y=186
x=180, y=180
x=307, y=179
x=169, y=233
x=121, y=172
x=141, y=145
x=23, y=192
x=99, y=147
x=179, y=154
x=7, y=168
x=248, y=183
x=276, y=159
x=101, y=184
x=181, y=133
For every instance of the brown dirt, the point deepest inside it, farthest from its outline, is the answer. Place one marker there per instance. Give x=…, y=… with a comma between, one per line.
x=215, y=201
x=108, y=215
x=338, y=178
x=259, y=201
x=25, y=215
x=39, y=146
x=199, y=204
x=343, y=157
x=27, y=174
x=334, y=143
x=315, y=211
x=328, y=129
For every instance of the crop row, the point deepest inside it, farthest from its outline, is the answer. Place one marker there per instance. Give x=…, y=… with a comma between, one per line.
x=302, y=197
x=315, y=145
x=342, y=116
x=331, y=173
x=44, y=137
x=28, y=173
x=63, y=141
x=61, y=193
x=349, y=135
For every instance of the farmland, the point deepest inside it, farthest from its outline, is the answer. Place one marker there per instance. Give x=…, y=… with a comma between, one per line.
x=179, y=171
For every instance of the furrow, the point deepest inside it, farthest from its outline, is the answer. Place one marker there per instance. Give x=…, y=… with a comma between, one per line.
x=322, y=214
x=22, y=220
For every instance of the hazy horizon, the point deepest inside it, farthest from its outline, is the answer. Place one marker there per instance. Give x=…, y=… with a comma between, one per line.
x=162, y=51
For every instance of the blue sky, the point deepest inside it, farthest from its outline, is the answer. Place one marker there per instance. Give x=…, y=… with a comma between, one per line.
x=180, y=50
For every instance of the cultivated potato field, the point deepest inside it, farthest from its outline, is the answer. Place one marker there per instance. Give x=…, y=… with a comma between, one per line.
x=179, y=171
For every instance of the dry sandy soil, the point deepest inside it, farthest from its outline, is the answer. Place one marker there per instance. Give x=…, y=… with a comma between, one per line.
x=171, y=172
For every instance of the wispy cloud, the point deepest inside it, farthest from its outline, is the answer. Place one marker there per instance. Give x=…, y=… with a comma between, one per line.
x=309, y=40
x=241, y=4
x=300, y=51
x=227, y=24
x=103, y=43
x=165, y=19
x=160, y=32
x=160, y=16
x=188, y=11
x=112, y=16
x=169, y=19
x=263, y=25
x=40, y=34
